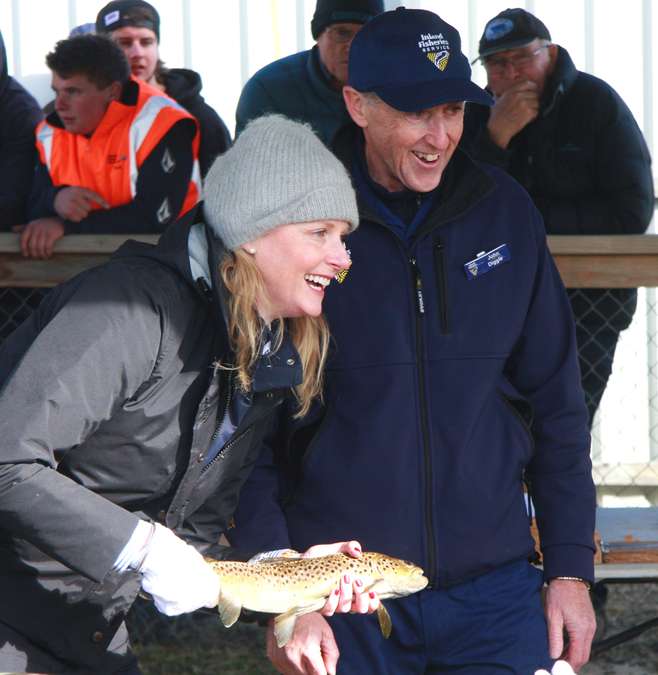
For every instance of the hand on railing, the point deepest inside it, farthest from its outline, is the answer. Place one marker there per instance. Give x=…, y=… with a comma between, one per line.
x=38, y=237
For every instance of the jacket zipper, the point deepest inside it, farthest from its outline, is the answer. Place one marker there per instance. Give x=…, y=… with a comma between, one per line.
x=218, y=426
x=222, y=453
x=429, y=516
x=442, y=283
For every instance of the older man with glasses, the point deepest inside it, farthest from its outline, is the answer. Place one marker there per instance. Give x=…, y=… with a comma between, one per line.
x=572, y=142
x=307, y=86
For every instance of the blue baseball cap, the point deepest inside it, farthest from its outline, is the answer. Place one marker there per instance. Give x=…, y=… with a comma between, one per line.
x=412, y=60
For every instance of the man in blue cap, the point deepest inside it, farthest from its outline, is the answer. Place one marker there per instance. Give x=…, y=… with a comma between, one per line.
x=572, y=142
x=454, y=382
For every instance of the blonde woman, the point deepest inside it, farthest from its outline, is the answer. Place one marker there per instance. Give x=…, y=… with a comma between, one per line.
x=134, y=402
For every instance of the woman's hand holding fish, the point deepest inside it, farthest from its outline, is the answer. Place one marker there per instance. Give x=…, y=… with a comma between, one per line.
x=350, y=596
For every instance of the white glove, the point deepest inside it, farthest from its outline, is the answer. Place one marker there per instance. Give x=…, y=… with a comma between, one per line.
x=176, y=575
x=559, y=668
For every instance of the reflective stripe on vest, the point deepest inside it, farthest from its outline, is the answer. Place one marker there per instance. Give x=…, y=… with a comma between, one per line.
x=45, y=135
x=139, y=133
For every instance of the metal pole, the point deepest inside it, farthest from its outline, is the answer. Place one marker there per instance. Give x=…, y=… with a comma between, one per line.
x=244, y=41
x=589, y=36
x=187, y=34
x=16, y=33
x=647, y=124
x=647, y=71
x=472, y=29
x=72, y=14
x=301, y=26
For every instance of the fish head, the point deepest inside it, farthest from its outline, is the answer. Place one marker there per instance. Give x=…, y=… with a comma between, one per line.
x=397, y=577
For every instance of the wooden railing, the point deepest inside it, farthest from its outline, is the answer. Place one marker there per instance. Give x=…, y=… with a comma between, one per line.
x=597, y=261
x=73, y=253
x=620, y=261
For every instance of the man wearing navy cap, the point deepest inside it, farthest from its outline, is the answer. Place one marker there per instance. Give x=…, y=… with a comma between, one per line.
x=572, y=142
x=307, y=86
x=453, y=383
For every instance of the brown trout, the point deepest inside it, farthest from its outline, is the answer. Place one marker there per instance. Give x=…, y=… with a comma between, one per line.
x=290, y=587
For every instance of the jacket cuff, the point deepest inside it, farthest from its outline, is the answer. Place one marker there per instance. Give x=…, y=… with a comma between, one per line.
x=569, y=560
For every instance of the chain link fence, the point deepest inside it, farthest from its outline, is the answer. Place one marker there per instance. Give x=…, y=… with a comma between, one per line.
x=16, y=304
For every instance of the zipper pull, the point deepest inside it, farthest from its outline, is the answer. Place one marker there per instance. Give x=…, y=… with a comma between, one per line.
x=202, y=285
x=420, y=301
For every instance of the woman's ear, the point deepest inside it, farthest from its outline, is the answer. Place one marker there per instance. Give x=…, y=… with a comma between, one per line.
x=249, y=248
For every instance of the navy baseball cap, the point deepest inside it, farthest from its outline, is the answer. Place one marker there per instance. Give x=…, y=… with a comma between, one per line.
x=510, y=29
x=412, y=60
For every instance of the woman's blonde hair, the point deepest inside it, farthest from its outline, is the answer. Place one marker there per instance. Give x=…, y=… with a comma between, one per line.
x=309, y=335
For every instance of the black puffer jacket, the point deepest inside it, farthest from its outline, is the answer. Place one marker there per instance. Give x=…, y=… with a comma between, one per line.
x=19, y=115
x=184, y=86
x=108, y=404
x=584, y=160
x=585, y=164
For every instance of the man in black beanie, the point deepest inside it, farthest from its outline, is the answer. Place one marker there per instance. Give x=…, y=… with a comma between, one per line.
x=307, y=86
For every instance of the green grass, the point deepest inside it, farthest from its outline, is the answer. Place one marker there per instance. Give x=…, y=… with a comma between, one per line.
x=196, y=644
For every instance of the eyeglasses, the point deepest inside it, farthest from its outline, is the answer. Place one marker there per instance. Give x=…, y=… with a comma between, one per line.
x=340, y=34
x=498, y=65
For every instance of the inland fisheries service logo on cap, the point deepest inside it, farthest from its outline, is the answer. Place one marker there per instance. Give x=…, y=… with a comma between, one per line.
x=436, y=47
x=412, y=60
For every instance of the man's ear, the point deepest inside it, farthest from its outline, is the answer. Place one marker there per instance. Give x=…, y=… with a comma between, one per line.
x=355, y=103
x=115, y=91
x=552, y=55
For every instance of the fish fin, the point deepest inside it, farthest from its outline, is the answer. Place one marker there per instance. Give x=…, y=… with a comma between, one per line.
x=385, y=622
x=284, y=624
x=229, y=609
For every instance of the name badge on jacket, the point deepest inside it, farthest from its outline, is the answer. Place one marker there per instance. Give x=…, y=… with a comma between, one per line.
x=485, y=261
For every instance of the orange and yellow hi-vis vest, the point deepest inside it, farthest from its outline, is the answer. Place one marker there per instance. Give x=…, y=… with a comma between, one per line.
x=108, y=162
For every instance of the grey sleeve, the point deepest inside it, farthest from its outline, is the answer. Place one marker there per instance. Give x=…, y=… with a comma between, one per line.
x=86, y=362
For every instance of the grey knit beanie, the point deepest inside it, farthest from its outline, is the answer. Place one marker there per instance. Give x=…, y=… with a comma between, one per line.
x=278, y=172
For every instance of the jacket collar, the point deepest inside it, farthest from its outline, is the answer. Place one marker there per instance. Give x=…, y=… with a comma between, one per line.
x=318, y=79
x=273, y=370
x=194, y=253
x=561, y=80
x=464, y=183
